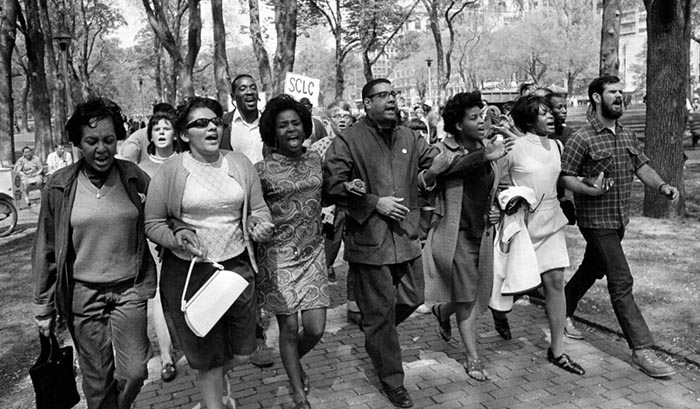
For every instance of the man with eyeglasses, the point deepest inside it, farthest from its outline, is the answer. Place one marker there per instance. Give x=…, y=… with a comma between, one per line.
x=242, y=133
x=373, y=171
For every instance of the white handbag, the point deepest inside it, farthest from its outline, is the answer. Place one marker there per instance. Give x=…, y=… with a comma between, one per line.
x=212, y=300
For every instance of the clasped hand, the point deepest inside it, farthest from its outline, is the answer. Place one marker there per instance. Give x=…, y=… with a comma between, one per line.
x=598, y=185
x=189, y=242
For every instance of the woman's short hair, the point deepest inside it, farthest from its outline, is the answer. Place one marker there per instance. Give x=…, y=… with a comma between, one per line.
x=155, y=118
x=526, y=109
x=95, y=109
x=183, y=115
x=273, y=108
x=456, y=108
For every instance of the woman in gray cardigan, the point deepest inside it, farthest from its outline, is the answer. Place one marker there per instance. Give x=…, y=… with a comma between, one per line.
x=207, y=203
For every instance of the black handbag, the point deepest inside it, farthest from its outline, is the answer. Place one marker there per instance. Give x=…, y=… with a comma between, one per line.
x=52, y=376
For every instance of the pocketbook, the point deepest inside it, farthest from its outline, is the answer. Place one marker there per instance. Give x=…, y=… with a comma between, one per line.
x=206, y=307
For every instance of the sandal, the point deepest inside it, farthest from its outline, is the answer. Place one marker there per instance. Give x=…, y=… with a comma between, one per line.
x=302, y=405
x=168, y=373
x=565, y=363
x=444, y=327
x=475, y=370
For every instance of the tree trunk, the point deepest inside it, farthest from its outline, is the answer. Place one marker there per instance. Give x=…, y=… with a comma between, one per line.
x=41, y=102
x=339, y=54
x=286, y=28
x=24, y=104
x=610, y=38
x=157, y=70
x=259, y=47
x=194, y=41
x=221, y=70
x=668, y=53
x=367, y=66
x=8, y=21
x=339, y=77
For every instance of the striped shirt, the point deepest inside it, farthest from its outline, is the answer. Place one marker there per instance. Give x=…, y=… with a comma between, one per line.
x=594, y=149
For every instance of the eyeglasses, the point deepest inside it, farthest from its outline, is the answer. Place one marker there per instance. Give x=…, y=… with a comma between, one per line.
x=341, y=116
x=204, y=122
x=384, y=94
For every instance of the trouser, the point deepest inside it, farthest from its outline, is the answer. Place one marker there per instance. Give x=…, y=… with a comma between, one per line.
x=331, y=242
x=604, y=256
x=108, y=327
x=387, y=295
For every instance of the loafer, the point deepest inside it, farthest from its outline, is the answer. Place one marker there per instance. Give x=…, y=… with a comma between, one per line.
x=399, y=397
x=570, y=329
x=564, y=362
x=262, y=356
x=646, y=361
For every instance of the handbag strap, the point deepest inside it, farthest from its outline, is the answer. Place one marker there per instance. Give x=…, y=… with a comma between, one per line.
x=183, y=302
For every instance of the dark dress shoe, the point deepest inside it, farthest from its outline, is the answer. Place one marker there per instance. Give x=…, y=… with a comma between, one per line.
x=444, y=326
x=565, y=363
x=400, y=397
x=500, y=323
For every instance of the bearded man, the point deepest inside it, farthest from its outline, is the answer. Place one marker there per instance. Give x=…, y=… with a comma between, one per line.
x=598, y=164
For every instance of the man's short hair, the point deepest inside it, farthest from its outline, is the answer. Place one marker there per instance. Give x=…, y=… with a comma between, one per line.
x=238, y=77
x=370, y=85
x=597, y=86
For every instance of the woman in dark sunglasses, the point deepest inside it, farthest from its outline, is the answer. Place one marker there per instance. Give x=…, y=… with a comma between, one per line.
x=207, y=203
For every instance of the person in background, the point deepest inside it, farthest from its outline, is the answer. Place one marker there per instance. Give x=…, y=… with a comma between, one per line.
x=599, y=164
x=557, y=101
x=206, y=204
x=135, y=147
x=31, y=172
x=340, y=117
x=372, y=169
x=242, y=134
x=319, y=130
x=294, y=279
x=90, y=259
x=161, y=147
x=59, y=158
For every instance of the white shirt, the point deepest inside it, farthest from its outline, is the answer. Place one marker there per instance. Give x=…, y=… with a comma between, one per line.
x=245, y=137
x=54, y=162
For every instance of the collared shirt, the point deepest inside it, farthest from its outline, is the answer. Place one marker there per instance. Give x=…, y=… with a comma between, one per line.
x=55, y=162
x=244, y=136
x=594, y=149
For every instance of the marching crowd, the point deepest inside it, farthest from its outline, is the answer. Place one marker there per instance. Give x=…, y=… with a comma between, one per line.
x=462, y=222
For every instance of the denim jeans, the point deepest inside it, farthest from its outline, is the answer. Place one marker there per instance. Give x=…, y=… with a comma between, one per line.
x=387, y=295
x=109, y=330
x=604, y=256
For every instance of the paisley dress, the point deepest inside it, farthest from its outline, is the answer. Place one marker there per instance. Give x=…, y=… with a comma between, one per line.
x=292, y=263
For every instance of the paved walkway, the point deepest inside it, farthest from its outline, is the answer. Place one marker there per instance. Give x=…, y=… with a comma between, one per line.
x=342, y=376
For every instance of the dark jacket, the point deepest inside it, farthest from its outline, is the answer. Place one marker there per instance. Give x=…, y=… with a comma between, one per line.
x=53, y=252
x=388, y=169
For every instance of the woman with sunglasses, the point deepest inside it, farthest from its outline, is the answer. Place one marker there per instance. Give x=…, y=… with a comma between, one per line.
x=90, y=259
x=294, y=279
x=535, y=162
x=207, y=203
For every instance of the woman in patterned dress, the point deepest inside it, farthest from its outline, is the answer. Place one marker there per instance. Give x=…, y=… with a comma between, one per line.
x=293, y=264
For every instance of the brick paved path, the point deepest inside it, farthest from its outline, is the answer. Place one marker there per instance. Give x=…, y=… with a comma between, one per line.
x=342, y=376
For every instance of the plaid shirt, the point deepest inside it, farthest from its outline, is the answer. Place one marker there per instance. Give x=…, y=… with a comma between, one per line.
x=594, y=149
